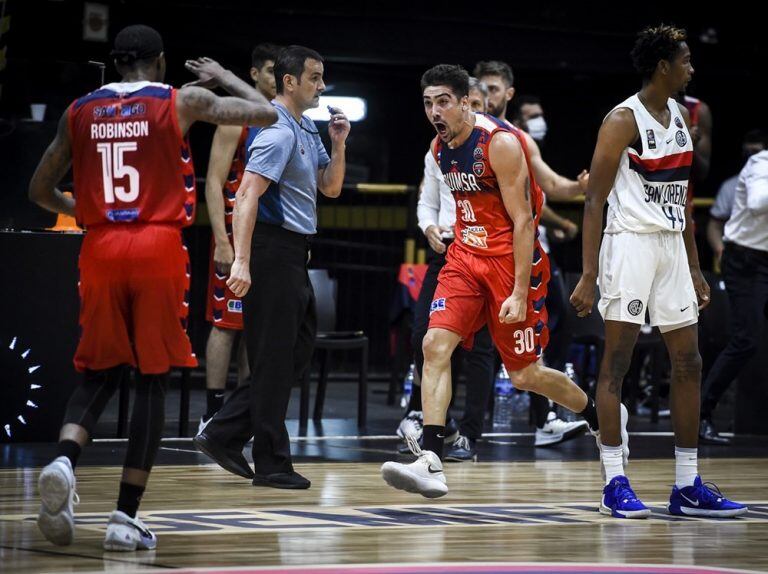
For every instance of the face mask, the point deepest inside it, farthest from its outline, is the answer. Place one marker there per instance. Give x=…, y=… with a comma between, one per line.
x=537, y=128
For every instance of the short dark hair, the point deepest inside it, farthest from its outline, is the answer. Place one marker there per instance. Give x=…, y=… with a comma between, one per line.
x=756, y=136
x=136, y=45
x=290, y=60
x=451, y=75
x=524, y=100
x=495, y=68
x=653, y=44
x=262, y=53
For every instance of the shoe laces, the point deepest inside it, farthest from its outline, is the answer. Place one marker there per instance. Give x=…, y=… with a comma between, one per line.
x=461, y=442
x=710, y=492
x=413, y=444
x=415, y=419
x=622, y=491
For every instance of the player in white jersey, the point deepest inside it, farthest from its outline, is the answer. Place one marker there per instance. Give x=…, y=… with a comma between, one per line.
x=648, y=260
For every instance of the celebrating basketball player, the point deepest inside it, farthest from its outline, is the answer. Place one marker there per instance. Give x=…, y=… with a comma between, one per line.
x=648, y=260
x=134, y=191
x=496, y=272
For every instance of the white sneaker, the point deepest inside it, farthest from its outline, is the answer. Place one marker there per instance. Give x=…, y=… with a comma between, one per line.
x=624, y=418
x=125, y=534
x=424, y=476
x=557, y=430
x=56, y=519
x=203, y=423
x=411, y=425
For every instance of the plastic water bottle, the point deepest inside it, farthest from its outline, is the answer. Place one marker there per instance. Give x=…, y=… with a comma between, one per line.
x=407, y=387
x=502, y=409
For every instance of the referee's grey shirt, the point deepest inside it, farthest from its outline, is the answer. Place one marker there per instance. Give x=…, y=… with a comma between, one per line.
x=289, y=154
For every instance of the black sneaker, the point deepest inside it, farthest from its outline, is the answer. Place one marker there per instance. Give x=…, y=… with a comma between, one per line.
x=227, y=458
x=708, y=434
x=289, y=480
x=461, y=450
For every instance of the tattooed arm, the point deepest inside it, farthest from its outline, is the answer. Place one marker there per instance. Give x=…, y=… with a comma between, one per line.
x=246, y=106
x=52, y=167
x=506, y=158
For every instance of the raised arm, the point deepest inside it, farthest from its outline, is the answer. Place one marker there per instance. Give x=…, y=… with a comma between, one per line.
x=702, y=143
x=52, y=167
x=331, y=177
x=699, y=283
x=556, y=187
x=617, y=132
x=251, y=189
x=507, y=162
x=223, y=149
x=195, y=103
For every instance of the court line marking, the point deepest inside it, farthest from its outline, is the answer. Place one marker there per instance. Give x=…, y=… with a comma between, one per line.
x=394, y=437
x=102, y=558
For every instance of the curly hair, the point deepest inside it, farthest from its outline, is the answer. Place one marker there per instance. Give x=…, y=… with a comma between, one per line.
x=453, y=76
x=656, y=43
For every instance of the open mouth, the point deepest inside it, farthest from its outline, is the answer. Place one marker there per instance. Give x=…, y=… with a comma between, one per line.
x=442, y=129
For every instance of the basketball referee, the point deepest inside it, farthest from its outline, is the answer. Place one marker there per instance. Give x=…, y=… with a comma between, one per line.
x=274, y=219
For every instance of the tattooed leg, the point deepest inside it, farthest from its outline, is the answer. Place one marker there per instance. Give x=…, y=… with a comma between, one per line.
x=620, y=341
x=683, y=347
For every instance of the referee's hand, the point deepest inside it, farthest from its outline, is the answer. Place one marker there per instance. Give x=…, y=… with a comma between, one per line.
x=239, y=278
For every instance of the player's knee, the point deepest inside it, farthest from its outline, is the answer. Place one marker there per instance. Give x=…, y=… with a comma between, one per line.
x=526, y=379
x=687, y=364
x=436, y=348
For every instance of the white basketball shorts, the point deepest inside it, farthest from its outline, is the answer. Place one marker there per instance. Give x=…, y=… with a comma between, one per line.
x=647, y=271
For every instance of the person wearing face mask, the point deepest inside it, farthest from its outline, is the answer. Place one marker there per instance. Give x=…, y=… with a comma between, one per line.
x=499, y=78
x=743, y=247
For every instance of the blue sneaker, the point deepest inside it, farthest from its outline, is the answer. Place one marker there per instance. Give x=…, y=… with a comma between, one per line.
x=620, y=501
x=703, y=499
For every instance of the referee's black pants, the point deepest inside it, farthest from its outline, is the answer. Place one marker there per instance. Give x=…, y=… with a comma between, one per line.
x=280, y=324
x=745, y=272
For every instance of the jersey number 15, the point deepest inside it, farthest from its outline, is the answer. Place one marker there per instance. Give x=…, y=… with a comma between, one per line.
x=113, y=167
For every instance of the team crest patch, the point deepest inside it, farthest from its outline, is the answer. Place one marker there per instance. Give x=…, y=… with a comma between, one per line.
x=478, y=168
x=437, y=305
x=478, y=153
x=635, y=307
x=679, y=123
x=680, y=138
x=651, y=139
x=234, y=306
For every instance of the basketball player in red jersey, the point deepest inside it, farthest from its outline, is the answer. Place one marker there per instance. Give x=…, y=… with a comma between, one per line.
x=496, y=272
x=225, y=171
x=134, y=190
x=701, y=135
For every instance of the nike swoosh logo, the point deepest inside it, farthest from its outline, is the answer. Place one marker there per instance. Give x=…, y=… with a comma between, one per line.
x=438, y=471
x=441, y=436
x=684, y=309
x=695, y=503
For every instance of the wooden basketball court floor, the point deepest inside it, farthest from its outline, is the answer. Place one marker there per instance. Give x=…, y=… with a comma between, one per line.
x=535, y=514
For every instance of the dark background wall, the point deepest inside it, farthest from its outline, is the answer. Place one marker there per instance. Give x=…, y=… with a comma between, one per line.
x=574, y=56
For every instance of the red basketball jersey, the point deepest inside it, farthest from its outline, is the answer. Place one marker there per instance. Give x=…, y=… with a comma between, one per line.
x=483, y=226
x=131, y=163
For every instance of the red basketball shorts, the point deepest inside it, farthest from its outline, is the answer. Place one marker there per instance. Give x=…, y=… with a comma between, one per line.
x=224, y=309
x=470, y=291
x=134, y=285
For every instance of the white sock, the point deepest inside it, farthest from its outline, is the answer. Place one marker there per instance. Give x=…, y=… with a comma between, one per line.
x=613, y=461
x=686, y=466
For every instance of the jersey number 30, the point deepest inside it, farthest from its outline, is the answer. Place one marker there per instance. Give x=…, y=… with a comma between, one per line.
x=467, y=213
x=113, y=167
x=524, y=341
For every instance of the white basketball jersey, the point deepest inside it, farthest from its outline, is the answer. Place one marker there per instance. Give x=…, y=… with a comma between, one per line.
x=651, y=186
